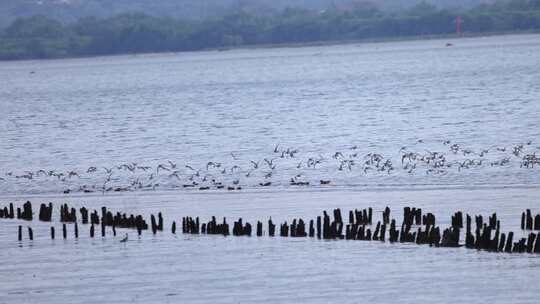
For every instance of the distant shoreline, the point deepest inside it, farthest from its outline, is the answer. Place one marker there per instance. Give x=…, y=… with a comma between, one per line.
x=295, y=45
x=371, y=40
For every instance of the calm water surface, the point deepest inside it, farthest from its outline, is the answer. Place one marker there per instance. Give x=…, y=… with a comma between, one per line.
x=193, y=108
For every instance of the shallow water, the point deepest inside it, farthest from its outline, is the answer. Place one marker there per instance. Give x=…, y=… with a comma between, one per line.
x=201, y=269
x=193, y=108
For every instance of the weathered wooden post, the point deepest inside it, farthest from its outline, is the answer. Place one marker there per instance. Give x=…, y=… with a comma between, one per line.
x=502, y=242
x=84, y=215
x=30, y=234
x=64, y=231
x=160, y=222
x=271, y=227
x=247, y=229
x=509, y=242
x=52, y=233
x=530, y=242
x=311, y=229
x=386, y=216
x=418, y=216
x=529, y=224
x=259, y=228
x=103, y=228
x=92, y=230
x=76, y=230
x=20, y=233
x=537, y=245
x=469, y=238
x=153, y=223
x=376, y=233
x=173, y=228
x=383, y=231
x=319, y=227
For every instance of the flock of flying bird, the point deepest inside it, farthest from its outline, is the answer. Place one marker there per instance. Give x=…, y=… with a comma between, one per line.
x=283, y=166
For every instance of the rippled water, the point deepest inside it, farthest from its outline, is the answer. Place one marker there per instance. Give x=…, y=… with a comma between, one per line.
x=193, y=108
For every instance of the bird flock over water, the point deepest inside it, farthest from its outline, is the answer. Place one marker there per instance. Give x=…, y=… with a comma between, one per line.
x=281, y=166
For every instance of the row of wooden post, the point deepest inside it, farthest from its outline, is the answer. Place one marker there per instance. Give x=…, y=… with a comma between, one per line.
x=527, y=221
x=487, y=235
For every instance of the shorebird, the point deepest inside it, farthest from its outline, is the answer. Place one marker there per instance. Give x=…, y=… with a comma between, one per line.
x=255, y=164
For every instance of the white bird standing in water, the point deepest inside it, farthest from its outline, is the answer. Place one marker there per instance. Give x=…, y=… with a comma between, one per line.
x=124, y=239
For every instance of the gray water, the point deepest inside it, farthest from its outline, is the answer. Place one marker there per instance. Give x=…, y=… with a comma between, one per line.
x=234, y=107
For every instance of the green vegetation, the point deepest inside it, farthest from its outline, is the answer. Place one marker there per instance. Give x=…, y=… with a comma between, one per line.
x=41, y=37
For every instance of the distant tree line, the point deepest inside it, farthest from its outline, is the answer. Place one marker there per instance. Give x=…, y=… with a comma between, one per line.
x=40, y=37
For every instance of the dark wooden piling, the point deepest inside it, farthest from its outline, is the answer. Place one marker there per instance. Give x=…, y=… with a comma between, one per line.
x=271, y=227
x=173, y=228
x=259, y=228
x=160, y=222
x=520, y=246
x=457, y=220
x=376, y=233
x=311, y=229
x=502, y=242
x=92, y=230
x=153, y=224
x=361, y=233
x=319, y=231
x=52, y=233
x=76, y=229
x=20, y=233
x=537, y=222
x=103, y=229
x=469, y=238
x=530, y=242
x=368, y=235
x=284, y=230
x=493, y=221
x=114, y=230
x=394, y=234
x=537, y=245
x=509, y=242
x=382, y=236
x=386, y=216
x=226, y=227
x=529, y=223
x=407, y=216
x=247, y=229
x=11, y=211
x=418, y=216
x=523, y=220
x=64, y=231
x=84, y=215
x=494, y=243
x=45, y=213
x=30, y=234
